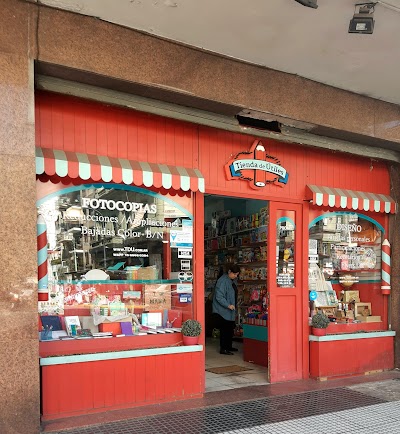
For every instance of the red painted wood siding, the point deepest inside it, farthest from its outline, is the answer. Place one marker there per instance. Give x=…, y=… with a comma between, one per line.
x=364, y=355
x=89, y=387
x=72, y=124
x=77, y=125
x=305, y=166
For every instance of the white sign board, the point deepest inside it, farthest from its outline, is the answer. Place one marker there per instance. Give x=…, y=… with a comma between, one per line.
x=185, y=253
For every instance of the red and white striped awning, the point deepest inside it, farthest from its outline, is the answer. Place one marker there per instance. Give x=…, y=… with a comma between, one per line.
x=106, y=169
x=350, y=199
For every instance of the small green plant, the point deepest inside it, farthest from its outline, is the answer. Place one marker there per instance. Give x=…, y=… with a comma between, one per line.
x=320, y=321
x=191, y=327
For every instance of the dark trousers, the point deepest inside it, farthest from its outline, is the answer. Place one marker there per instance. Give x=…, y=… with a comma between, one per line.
x=225, y=332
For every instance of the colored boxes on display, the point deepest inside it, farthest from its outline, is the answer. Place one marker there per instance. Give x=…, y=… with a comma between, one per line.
x=349, y=296
x=113, y=327
x=147, y=273
x=371, y=318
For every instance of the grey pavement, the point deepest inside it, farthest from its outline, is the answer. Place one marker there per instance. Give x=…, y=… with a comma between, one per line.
x=367, y=408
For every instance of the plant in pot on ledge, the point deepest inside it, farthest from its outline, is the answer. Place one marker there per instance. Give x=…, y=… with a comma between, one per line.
x=319, y=324
x=191, y=330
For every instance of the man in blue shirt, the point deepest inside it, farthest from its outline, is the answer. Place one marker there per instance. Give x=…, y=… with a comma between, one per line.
x=224, y=308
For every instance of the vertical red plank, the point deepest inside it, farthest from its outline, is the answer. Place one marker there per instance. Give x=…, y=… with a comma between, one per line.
x=46, y=140
x=80, y=129
x=160, y=144
x=130, y=384
x=71, y=399
x=86, y=389
x=140, y=380
x=160, y=387
x=101, y=132
x=173, y=377
x=179, y=145
x=68, y=120
x=151, y=148
x=142, y=128
x=111, y=134
x=37, y=124
x=152, y=377
x=50, y=390
x=90, y=134
x=108, y=372
x=132, y=139
x=98, y=387
x=122, y=135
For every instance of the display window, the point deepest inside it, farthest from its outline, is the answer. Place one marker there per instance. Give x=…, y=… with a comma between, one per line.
x=119, y=260
x=345, y=266
x=285, y=242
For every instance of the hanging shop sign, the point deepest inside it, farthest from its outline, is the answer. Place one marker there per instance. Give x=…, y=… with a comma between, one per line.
x=257, y=167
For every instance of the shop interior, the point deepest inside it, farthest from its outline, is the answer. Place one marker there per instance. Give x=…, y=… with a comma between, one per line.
x=236, y=232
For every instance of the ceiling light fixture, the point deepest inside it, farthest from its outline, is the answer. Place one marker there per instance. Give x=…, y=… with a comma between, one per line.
x=308, y=3
x=363, y=18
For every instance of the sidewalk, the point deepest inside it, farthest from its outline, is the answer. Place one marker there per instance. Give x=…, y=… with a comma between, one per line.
x=367, y=404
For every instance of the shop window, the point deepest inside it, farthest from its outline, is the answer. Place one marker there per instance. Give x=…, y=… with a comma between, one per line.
x=345, y=266
x=119, y=260
x=285, y=262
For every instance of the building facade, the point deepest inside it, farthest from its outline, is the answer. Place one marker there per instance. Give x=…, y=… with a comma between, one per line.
x=38, y=41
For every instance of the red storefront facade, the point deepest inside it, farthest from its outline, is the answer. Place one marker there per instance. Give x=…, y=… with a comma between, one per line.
x=160, y=374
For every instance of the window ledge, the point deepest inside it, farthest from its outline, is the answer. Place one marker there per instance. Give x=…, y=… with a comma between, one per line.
x=94, y=357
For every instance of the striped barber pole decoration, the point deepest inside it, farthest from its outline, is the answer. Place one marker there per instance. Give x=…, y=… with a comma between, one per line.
x=43, y=279
x=107, y=169
x=350, y=199
x=386, y=268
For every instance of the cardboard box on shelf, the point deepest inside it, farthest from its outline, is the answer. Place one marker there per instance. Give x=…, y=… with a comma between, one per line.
x=349, y=296
x=113, y=327
x=157, y=297
x=371, y=318
x=147, y=273
x=362, y=309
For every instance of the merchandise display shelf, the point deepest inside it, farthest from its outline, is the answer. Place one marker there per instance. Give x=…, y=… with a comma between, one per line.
x=98, y=345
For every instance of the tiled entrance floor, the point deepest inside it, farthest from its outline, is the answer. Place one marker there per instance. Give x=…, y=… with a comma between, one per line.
x=256, y=376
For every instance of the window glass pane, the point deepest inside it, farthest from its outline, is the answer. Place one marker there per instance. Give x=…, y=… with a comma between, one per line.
x=116, y=251
x=285, y=263
x=344, y=253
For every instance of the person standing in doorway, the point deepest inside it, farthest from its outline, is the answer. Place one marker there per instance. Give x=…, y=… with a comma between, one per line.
x=224, y=308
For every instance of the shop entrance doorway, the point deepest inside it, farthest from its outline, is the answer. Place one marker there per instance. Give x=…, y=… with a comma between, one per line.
x=236, y=233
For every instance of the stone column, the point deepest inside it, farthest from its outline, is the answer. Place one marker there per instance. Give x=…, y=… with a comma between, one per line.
x=19, y=363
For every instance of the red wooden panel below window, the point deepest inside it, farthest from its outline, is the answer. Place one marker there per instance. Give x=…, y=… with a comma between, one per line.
x=89, y=387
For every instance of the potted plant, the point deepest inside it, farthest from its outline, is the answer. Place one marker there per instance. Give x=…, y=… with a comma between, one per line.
x=319, y=323
x=191, y=330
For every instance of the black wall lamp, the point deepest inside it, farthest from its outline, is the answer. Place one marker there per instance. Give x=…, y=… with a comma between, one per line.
x=308, y=3
x=363, y=18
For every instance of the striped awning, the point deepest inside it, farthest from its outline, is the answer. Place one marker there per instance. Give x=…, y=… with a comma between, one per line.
x=350, y=199
x=106, y=169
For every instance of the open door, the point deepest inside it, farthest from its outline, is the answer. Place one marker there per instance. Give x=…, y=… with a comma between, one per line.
x=286, y=318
